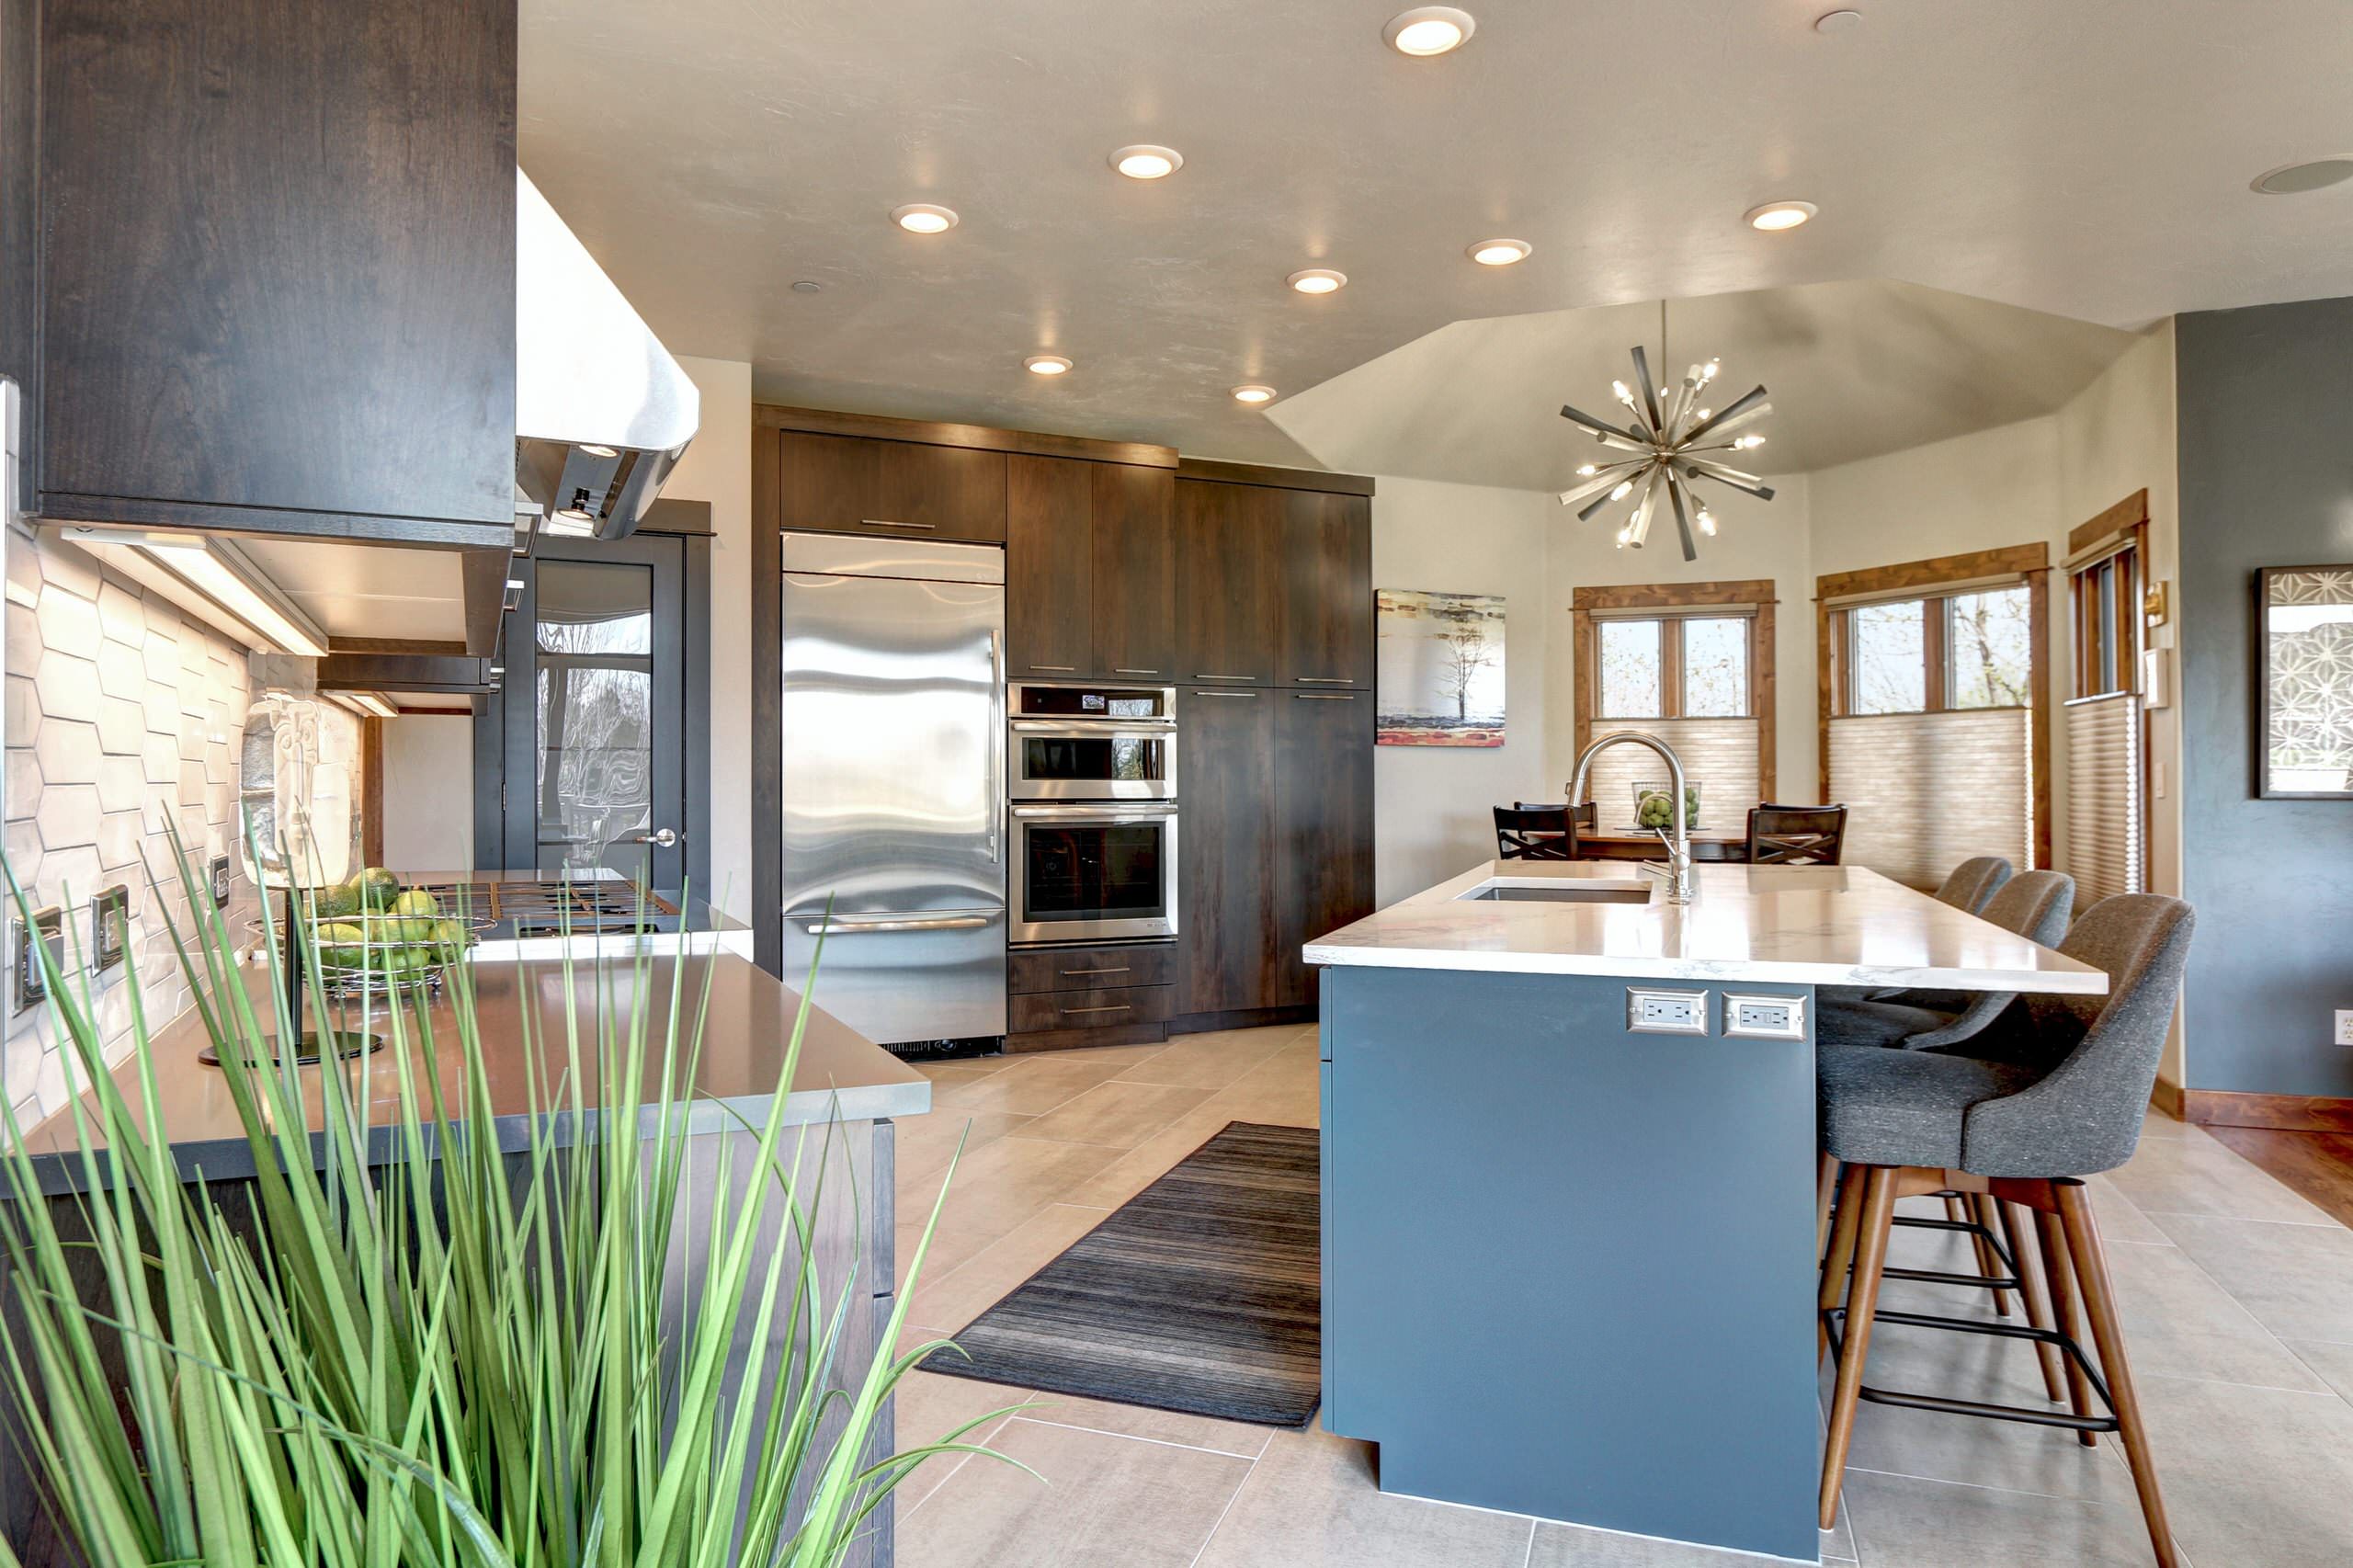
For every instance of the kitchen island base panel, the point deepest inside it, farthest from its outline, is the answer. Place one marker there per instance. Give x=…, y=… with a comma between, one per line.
x=1568, y=1270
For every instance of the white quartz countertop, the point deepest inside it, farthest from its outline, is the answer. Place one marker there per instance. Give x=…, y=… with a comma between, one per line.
x=1797, y=924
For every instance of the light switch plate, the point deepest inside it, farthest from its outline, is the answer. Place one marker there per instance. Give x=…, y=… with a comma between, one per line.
x=220, y=881
x=1653, y=1010
x=1764, y=1018
x=30, y=986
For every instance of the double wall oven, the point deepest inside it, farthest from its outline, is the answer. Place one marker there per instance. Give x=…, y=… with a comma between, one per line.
x=1091, y=770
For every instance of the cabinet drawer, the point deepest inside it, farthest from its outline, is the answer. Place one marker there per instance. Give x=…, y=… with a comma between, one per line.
x=1090, y=1009
x=1077, y=969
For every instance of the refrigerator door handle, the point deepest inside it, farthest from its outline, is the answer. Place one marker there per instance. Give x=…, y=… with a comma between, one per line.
x=853, y=925
x=997, y=746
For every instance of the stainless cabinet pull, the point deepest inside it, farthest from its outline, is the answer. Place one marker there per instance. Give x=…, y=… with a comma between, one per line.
x=1074, y=974
x=1251, y=694
x=888, y=523
x=1123, y=670
x=1073, y=1012
x=1057, y=669
x=1226, y=677
x=1326, y=680
x=1323, y=697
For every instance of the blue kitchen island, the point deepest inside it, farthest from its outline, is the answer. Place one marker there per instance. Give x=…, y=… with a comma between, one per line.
x=1568, y=1179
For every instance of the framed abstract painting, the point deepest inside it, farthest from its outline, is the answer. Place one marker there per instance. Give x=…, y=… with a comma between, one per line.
x=1439, y=667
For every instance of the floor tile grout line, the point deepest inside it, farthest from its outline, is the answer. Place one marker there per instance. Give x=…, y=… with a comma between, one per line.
x=1527, y=1558
x=2005, y=1490
x=1131, y=1437
x=961, y=1460
x=1219, y=1523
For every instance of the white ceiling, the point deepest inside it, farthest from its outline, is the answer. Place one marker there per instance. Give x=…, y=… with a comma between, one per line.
x=2087, y=159
x=1853, y=370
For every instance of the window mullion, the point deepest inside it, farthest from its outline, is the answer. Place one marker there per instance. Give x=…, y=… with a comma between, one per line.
x=1935, y=690
x=1670, y=667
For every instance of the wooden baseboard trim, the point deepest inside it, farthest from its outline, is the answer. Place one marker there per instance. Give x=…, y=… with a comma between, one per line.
x=2166, y=1097
x=2286, y=1113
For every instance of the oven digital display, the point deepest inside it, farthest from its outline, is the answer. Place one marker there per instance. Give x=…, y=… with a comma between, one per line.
x=1091, y=702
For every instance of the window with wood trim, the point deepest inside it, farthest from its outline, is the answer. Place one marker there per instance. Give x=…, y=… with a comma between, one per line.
x=2103, y=723
x=1691, y=663
x=1932, y=686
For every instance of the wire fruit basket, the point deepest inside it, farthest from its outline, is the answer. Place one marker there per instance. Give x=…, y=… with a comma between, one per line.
x=373, y=952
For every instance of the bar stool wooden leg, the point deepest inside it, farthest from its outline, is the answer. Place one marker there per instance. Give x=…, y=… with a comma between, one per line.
x=2099, y=1304
x=1989, y=1261
x=1825, y=1187
x=1877, y=1217
x=1841, y=1255
x=2038, y=1307
x=2058, y=1274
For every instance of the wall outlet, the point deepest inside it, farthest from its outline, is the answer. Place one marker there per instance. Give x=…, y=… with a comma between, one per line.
x=2345, y=1025
x=1652, y=1011
x=1764, y=1018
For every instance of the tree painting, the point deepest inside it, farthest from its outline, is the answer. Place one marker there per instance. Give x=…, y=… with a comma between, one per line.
x=1440, y=665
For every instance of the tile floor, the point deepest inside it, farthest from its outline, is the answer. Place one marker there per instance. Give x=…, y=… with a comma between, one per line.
x=2238, y=1295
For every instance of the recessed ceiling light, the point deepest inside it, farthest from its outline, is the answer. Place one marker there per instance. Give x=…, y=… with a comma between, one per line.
x=1317, y=280
x=807, y=286
x=1144, y=161
x=1046, y=365
x=1775, y=216
x=2294, y=179
x=1253, y=392
x=1838, y=21
x=1428, y=30
x=1499, y=252
x=923, y=218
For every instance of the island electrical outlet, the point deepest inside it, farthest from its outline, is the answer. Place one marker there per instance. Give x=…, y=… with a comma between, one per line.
x=1764, y=1018
x=1652, y=1011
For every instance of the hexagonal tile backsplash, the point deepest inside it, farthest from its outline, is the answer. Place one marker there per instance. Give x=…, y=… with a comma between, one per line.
x=123, y=715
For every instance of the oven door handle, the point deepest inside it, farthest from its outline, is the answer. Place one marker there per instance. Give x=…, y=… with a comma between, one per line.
x=1082, y=729
x=1140, y=811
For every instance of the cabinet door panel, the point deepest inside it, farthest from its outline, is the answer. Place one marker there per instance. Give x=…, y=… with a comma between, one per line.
x=1327, y=591
x=1227, y=570
x=851, y=484
x=1049, y=564
x=1322, y=825
x=1135, y=570
x=1226, y=850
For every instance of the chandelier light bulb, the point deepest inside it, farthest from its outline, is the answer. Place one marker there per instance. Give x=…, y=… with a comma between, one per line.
x=1625, y=488
x=1586, y=471
x=1748, y=443
x=1670, y=454
x=1624, y=395
x=1707, y=522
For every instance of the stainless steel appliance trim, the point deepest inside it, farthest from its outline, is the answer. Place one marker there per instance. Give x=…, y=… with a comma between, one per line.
x=1149, y=729
x=851, y=924
x=1099, y=810
x=866, y=555
x=998, y=763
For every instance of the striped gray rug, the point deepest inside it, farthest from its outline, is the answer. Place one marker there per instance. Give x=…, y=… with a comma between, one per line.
x=1202, y=1293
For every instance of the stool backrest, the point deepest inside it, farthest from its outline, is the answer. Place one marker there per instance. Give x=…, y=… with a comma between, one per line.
x=1796, y=836
x=2035, y=905
x=2084, y=1115
x=1535, y=832
x=1974, y=881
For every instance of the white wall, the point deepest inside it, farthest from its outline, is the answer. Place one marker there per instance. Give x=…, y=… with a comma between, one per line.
x=1432, y=805
x=1756, y=538
x=717, y=469
x=428, y=793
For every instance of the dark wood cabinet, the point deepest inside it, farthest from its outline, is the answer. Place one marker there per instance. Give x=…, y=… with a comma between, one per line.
x=1326, y=575
x=19, y=241
x=277, y=266
x=1323, y=861
x=1134, y=605
x=852, y=485
x=1049, y=567
x=1228, y=548
x=1089, y=589
x=1226, y=848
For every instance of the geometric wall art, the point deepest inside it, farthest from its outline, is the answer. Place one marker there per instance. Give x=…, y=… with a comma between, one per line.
x=1440, y=664
x=2306, y=735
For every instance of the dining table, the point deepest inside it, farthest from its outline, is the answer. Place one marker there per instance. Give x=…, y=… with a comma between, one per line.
x=1627, y=842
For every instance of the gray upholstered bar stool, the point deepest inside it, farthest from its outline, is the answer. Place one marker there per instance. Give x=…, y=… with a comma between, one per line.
x=2035, y=905
x=2065, y=1101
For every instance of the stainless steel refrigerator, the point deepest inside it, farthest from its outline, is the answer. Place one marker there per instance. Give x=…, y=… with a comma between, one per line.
x=894, y=749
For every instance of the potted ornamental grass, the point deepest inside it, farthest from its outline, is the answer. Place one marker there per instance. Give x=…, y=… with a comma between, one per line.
x=397, y=1344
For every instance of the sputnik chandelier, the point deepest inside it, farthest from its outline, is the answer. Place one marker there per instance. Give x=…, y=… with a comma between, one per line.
x=1669, y=442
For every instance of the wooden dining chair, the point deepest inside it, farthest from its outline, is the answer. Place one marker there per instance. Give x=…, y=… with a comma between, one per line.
x=1796, y=836
x=1531, y=831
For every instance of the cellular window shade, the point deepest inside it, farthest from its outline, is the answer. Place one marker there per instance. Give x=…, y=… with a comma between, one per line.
x=1925, y=792
x=1718, y=757
x=2106, y=835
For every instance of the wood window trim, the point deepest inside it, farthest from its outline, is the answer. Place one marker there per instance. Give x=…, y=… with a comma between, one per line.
x=2106, y=544
x=1756, y=594
x=2029, y=562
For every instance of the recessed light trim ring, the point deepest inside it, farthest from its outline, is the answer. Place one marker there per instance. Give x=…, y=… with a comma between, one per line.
x=1429, y=30
x=1499, y=252
x=924, y=218
x=2305, y=174
x=1145, y=161
x=1046, y=365
x=1317, y=280
x=1777, y=217
x=1254, y=394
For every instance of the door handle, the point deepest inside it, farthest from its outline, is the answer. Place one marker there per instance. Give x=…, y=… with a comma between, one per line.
x=997, y=760
x=852, y=924
x=661, y=838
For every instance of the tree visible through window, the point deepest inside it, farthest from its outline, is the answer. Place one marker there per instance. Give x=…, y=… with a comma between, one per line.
x=1950, y=650
x=1633, y=679
x=1887, y=645
x=1989, y=642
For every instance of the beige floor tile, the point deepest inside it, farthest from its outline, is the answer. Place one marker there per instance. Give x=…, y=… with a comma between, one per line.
x=995, y=1189
x=1119, y=1114
x=926, y=1408
x=1570, y=1546
x=1903, y=1521
x=1212, y=1060
x=1097, y=1501
x=2180, y=1323
x=2253, y=1478
x=2296, y=1279
x=1311, y=1502
x=2195, y=1175
x=1158, y=1155
x=2120, y=1219
x=957, y=1296
x=2333, y=1362
x=1026, y=1090
x=925, y=1143
x=1236, y=1438
x=962, y=1070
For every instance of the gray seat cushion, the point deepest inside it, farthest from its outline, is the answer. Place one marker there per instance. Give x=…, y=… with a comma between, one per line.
x=1841, y=1022
x=1903, y=1108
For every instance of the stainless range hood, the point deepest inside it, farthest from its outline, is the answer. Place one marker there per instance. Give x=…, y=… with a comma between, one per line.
x=602, y=413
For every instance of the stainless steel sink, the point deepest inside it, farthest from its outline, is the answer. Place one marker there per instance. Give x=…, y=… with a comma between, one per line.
x=1558, y=892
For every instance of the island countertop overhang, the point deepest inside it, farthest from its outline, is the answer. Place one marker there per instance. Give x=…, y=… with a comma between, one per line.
x=1789, y=925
